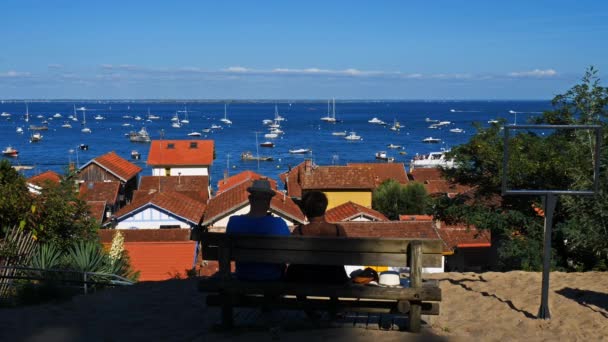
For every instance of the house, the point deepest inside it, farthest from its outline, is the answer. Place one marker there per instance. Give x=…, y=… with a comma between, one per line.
x=467, y=248
x=384, y=171
x=181, y=157
x=157, y=254
x=435, y=184
x=245, y=176
x=35, y=183
x=110, y=167
x=234, y=201
x=159, y=210
x=351, y=211
x=95, y=193
x=339, y=183
x=396, y=229
x=195, y=187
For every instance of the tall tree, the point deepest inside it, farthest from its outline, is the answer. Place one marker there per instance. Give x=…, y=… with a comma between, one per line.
x=393, y=199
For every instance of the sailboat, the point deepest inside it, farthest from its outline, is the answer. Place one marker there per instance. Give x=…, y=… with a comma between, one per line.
x=152, y=116
x=185, y=119
x=277, y=116
x=27, y=113
x=330, y=118
x=225, y=119
x=84, y=129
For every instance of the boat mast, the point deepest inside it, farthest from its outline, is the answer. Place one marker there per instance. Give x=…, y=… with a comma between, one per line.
x=27, y=113
x=333, y=113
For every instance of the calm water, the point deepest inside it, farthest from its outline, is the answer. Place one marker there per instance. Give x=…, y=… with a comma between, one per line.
x=303, y=129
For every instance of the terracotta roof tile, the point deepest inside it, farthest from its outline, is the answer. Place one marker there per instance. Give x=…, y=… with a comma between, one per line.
x=174, y=202
x=415, y=218
x=444, y=187
x=291, y=179
x=236, y=197
x=425, y=174
x=115, y=164
x=99, y=191
x=145, y=235
x=463, y=237
x=392, y=229
x=195, y=187
x=384, y=171
x=337, y=177
x=47, y=176
x=161, y=260
x=239, y=178
x=181, y=153
x=350, y=210
x=97, y=210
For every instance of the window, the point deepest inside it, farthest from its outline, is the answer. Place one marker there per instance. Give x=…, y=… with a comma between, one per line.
x=170, y=146
x=169, y=226
x=167, y=171
x=193, y=144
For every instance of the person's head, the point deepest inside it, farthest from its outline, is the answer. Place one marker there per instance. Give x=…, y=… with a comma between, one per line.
x=260, y=194
x=314, y=204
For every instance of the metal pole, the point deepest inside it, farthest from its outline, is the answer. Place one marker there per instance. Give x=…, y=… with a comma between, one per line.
x=549, y=207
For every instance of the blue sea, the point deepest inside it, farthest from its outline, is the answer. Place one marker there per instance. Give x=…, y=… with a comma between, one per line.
x=302, y=126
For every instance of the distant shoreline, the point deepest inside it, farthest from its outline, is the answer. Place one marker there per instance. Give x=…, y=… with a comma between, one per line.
x=260, y=100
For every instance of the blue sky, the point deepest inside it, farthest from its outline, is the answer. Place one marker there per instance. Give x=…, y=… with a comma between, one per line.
x=299, y=50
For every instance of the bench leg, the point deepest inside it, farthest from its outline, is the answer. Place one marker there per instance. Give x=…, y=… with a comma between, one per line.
x=415, y=313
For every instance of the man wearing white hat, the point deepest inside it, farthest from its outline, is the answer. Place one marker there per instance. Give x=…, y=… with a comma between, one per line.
x=258, y=222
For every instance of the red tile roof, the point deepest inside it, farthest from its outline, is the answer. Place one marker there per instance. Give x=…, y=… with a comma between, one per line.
x=391, y=229
x=158, y=254
x=239, y=178
x=464, y=237
x=97, y=210
x=415, y=218
x=116, y=165
x=350, y=210
x=145, y=235
x=161, y=260
x=176, y=203
x=181, y=153
x=384, y=171
x=47, y=176
x=292, y=178
x=195, y=187
x=99, y=191
x=425, y=174
x=337, y=178
x=234, y=198
x=444, y=187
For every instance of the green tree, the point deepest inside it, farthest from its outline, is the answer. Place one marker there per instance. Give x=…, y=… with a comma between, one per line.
x=393, y=199
x=562, y=159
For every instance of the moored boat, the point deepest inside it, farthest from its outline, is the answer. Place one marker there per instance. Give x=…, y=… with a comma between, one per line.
x=83, y=147
x=383, y=156
x=135, y=155
x=10, y=152
x=267, y=144
x=394, y=147
x=433, y=159
x=431, y=140
x=36, y=137
x=194, y=134
x=456, y=130
x=300, y=151
x=141, y=136
x=249, y=156
x=352, y=136
x=341, y=134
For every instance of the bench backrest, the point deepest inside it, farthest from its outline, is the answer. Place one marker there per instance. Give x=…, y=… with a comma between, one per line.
x=317, y=250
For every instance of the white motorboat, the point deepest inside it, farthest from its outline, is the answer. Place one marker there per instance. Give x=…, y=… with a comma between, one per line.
x=126, y=124
x=275, y=124
x=456, y=130
x=142, y=136
x=383, y=156
x=267, y=121
x=300, y=151
x=430, y=120
x=394, y=147
x=433, y=159
x=176, y=124
x=431, y=140
x=57, y=115
x=492, y=121
x=271, y=135
x=135, y=155
x=19, y=130
x=10, y=152
x=352, y=136
x=5, y=115
x=66, y=125
x=86, y=130
x=444, y=123
x=214, y=126
x=194, y=134
x=36, y=137
x=276, y=131
x=137, y=118
x=376, y=121
x=99, y=117
x=206, y=130
x=341, y=134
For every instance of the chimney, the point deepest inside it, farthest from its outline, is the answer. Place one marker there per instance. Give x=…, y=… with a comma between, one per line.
x=179, y=178
x=307, y=166
x=225, y=176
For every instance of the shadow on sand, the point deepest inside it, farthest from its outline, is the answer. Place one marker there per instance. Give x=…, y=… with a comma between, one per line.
x=462, y=283
x=595, y=301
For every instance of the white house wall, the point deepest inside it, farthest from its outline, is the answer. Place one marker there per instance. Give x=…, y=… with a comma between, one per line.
x=150, y=218
x=183, y=171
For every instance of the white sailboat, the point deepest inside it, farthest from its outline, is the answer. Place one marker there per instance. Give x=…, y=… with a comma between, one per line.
x=277, y=116
x=225, y=119
x=330, y=118
x=84, y=129
x=185, y=120
x=27, y=113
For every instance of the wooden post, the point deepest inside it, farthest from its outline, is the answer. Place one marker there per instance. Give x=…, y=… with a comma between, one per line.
x=415, y=282
x=224, y=263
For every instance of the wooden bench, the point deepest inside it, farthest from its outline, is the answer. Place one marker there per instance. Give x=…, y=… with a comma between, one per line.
x=421, y=297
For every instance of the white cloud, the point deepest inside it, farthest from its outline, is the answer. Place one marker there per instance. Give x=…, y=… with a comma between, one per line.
x=534, y=73
x=14, y=74
x=236, y=69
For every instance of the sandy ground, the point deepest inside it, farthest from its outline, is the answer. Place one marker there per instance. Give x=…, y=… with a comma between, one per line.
x=478, y=307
